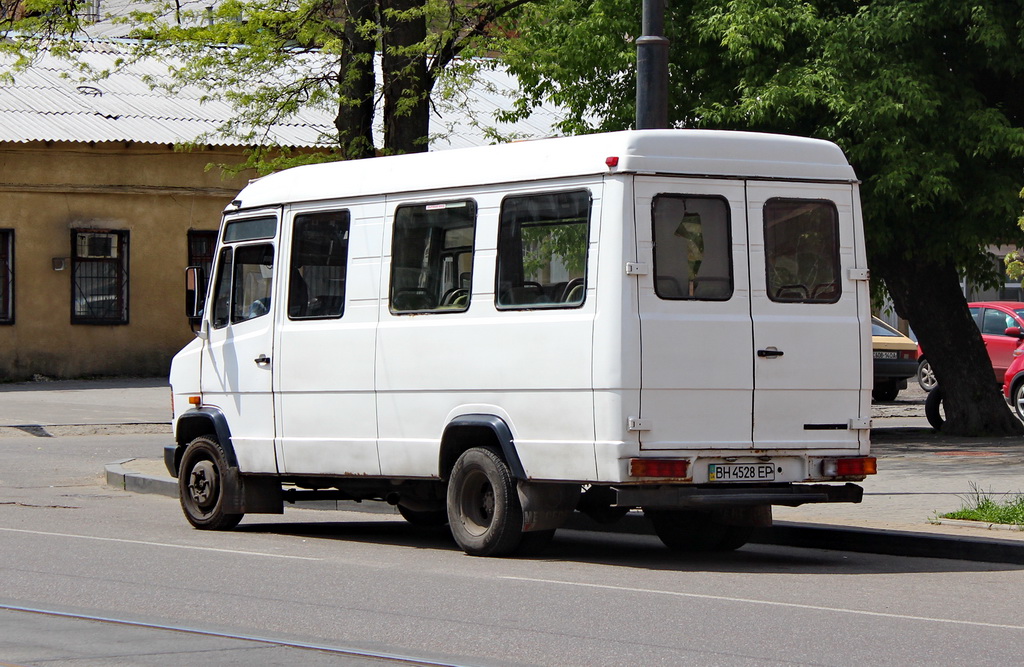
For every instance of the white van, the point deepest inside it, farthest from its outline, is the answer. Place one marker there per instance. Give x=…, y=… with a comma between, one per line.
x=493, y=338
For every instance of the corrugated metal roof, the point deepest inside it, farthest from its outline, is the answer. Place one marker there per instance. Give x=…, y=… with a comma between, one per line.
x=50, y=102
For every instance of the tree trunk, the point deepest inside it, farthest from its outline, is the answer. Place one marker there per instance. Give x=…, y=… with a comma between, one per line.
x=929, y=296
x=407, y=84
x=356, y=82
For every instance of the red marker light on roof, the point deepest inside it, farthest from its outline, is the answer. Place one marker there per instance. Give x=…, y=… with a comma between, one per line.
x=612, y=161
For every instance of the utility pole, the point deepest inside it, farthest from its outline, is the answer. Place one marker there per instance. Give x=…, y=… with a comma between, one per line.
x=652, y=69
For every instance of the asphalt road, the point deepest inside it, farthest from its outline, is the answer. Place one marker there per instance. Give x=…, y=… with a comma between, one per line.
x=280, y=587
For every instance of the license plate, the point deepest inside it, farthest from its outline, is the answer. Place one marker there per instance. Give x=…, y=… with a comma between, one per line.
x=887, y=354
x=741, y=472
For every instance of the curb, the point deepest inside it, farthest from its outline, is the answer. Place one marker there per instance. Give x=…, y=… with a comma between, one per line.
x=781, y=533
x=126, y=480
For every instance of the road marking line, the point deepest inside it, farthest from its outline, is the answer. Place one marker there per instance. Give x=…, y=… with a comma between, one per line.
x=157, y=544
x=793, y=605
x=327, y=648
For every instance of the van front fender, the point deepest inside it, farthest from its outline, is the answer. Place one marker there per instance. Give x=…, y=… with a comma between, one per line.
x=192, y=424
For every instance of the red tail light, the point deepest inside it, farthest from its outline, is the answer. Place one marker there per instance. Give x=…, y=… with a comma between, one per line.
x=658, y=467
x=849, y=467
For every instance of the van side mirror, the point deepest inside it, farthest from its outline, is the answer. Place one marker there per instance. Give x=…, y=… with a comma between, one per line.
x=1014, y=332
x=195, y=295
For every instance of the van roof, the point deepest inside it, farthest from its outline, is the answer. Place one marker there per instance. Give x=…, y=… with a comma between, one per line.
x=684, y=152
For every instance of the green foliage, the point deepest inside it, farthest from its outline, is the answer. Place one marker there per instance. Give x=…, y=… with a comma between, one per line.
x=275, y=60
x=564, y=244
x=981, y=506
x=923, y=97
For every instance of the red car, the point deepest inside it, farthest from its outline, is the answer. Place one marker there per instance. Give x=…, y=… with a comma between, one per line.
x=1001, y=324
x=1013, y=382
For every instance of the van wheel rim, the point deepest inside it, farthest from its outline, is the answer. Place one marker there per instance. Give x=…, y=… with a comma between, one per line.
x=477, y=503
x=202, y=484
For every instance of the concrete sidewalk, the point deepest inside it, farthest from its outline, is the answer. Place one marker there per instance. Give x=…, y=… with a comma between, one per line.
x=85, y=407
x=920, y=473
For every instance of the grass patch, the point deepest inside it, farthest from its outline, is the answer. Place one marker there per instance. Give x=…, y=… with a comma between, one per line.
x=983, y=506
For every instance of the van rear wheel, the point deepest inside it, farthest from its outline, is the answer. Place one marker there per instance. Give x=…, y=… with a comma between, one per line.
x=201, y=485
x=688, y=531
x=484, y=513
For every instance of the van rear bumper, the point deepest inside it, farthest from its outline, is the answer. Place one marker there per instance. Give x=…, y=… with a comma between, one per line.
x=707, y=496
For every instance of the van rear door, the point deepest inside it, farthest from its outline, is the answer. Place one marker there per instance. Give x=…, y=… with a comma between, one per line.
x=697, y=374
x=807, y=298
x=749, y=321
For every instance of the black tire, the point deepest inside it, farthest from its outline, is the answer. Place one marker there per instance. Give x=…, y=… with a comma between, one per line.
x=885, y=393
x=688, y=531
x=926, y=376
x=1017, y=397
x=201, y=481
x=484, y=513
x=934, y=408
x=424, y=518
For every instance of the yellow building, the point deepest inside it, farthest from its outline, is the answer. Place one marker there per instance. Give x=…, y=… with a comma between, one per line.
x=93, y=242
x=99, y=216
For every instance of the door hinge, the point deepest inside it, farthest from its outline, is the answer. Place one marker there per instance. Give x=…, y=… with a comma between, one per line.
x=860, y=274
x=636, y=269
x=638, y=424
x=860, y=423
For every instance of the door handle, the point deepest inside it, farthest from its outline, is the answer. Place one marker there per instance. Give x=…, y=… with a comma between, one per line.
x=770, y=353
x=262, y=360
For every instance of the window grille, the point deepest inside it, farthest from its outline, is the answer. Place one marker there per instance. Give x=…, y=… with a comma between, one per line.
x=201, y=246
x=6, y=276
x=99, y=277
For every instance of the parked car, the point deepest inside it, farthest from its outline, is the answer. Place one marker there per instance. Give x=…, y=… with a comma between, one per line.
x=1001, y=324
x=1013, y=382
x=895, y=360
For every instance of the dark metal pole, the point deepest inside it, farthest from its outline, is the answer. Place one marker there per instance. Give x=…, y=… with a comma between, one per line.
x=652, y=69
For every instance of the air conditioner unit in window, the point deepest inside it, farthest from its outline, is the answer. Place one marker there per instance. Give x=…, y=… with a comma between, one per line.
x=94, y=245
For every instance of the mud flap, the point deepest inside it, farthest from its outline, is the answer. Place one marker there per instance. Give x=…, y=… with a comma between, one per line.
x=249, y=494
x=546, y=506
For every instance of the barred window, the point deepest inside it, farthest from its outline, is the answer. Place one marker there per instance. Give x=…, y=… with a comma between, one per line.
x=6, y=276
x=99, y=277
x=201, y=246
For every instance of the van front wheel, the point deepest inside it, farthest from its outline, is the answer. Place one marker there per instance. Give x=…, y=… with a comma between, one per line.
x=201, y=485
x=484, y=513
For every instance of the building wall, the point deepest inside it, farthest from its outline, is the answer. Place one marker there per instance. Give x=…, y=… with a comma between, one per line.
x=154, y=192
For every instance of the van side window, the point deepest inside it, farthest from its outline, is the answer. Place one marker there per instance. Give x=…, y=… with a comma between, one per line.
x=801, y=240
x=432, y=257
x=243, y=283
x=542, y=250
x=316, y=277
x=251, y=282
x=222, y=290
x=692, y=258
